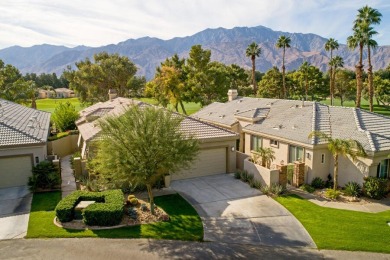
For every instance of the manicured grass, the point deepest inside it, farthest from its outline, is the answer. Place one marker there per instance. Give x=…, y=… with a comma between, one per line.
x=185, y=224
x=380, y=109
x=190, y=107
x=341, y=229
x=49, y=104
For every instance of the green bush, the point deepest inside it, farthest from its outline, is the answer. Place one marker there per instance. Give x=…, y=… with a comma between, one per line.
x=317, y=183
x=375, y=188
x=273, y=190
x=133, y=201
x=245, y=176
x=237, y=174
x=107, y=211
x=352, y=189
x=255, y=184
x=307, y=188
x=44, y=176
x=332, y=194
x=64, y=116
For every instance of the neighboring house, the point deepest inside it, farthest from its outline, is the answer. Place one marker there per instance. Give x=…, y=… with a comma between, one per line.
x=23, y=142
x=64, y=93
x=43, y=93
x=284, y=126
x=217, y=145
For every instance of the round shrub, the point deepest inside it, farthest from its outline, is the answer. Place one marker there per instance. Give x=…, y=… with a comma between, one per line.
x=307, y=188
x=352, y=189
x=130, y=197
x=375, y=188
x=317, y=183
x=133, y=201
x=332, y=194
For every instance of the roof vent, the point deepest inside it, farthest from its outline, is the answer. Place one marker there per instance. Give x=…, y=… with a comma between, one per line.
x=239, y=101
x=269, y=104
x=237, y=110
x=222, y=116
x=278, y=127
x=294, y=127
x=210, y=113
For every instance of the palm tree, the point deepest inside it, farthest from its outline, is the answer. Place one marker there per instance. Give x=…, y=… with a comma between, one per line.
x=331, y=45
x=267, y=155
x=353, y=41
x=253, y=50
x=283, y=42
x=366, y=17
x=305, y=70
x=343, y=147
x=335, y=62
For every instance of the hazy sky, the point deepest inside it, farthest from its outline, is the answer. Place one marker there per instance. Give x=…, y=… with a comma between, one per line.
x=101, y=22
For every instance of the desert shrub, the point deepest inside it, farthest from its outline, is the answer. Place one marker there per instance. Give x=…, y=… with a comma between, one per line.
x=266, y=190
x=332, y=194
x=277, y=189
x=107, y=211
x=44, y=176
x=250, y=178
x=255, y=184
x=130, y=197
x=352, y=189
x=317, y=183
x=374, y=187
x=245, y=176
x=307, y=188
x=132, y=213
x=237, y=174
x=133, y=201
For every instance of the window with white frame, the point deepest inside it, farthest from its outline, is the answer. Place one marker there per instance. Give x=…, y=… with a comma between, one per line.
x=274, y=143
x=295, y=154
x=256, y=142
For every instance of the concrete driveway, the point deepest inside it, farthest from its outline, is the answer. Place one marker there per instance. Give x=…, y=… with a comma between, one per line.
x=15, y=205
x=232, y=212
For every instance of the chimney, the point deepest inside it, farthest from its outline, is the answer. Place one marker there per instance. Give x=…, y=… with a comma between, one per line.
x=111, y=94
x=232, y=94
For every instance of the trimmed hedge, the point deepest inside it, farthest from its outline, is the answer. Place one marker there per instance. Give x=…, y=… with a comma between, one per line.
x=107, y=211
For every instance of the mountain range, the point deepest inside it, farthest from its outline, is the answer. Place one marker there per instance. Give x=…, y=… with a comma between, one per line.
x=226, y=45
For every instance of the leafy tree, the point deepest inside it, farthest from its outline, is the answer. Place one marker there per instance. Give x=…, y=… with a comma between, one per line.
x=253, y=50
x=343, y=147
x=239, y=80
x=331, y=45
x=284, y=42
x=64, y=116
x=382, y=90
x=269, y=85
x=366, y=17
x=141, y=146
x=92, y=80
x=345, y=87
x=310, y=80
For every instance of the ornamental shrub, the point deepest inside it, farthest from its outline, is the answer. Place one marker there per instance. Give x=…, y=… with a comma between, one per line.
x=352, y=189
x=107, y=211
x=375, y=188
x=332, y=194
x=44, y=176
x=307, y=188
x=317, y=183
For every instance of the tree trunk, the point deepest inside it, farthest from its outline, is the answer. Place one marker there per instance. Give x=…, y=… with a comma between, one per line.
x=342, y=100
x=377, y=100
x=33, y=103
x=331, y=82
x=176, y=107
x=284, y=75
x=254, y=75
x=151, y=199
x=370, y=81
x=359, y=81
x=336, y=171
x=306, y=88
x=182, y=107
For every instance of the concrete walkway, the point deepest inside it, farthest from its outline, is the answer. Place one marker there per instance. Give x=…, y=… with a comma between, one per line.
x=371, y=207
x=100, y=248
x=68, y=184
x=232, y=212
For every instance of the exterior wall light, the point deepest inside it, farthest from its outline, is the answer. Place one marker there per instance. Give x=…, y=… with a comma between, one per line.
x=232, y=148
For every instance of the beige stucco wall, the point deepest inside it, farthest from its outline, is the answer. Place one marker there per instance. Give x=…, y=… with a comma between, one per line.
x=262, y=174
x=63, y=146
x=36, y=151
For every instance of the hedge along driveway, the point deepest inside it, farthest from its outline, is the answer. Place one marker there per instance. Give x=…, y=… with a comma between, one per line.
x=185, y=223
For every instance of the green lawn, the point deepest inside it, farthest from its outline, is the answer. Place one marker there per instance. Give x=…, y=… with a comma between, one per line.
x=190, y=107
x=380, y=109
x=341, y=229
x=185, y=224
x=49, y=104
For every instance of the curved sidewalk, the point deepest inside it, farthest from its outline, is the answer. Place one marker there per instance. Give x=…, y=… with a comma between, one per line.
x=371, y=207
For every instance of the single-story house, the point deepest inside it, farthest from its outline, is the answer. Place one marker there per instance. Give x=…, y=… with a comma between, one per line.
x=64, y=93
x=44, y=93
x=284, y=126
x=23, y=142
x=217, y=145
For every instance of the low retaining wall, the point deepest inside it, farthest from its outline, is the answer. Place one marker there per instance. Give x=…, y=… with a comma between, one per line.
x=240, y=157
x=64, y=146
x=262, y=174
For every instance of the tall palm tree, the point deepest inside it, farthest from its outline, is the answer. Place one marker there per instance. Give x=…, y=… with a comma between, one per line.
x=366, y=17
x=335, y=62
x=253, y=50
x=343, y=147
x=353, y=41
x=284, y=42
x=331, y=45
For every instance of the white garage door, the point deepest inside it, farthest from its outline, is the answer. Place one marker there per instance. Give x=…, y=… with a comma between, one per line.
x=209, y=162
x=14, y=171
